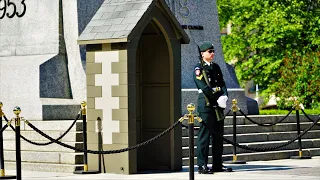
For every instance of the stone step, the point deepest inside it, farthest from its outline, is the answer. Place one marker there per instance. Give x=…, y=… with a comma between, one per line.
x=267, y=119
x=25, y=146
x=53, y=157
x=252, y=128
x=228, y=148
x=69, y=137
x=44, y=167
x=73, y=138
x=261, y=137
x=45, y=157
x=261, y=156
x=56, y=125
x=34, y=136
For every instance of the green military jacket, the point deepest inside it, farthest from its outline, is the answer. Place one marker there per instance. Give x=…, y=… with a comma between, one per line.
x=215, y=78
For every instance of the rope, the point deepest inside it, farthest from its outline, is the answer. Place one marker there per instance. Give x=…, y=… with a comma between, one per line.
x=46, y=143
x=308, y=117
x=263, y=149
x=4, y=127
x=103, y=152
x=267, y=124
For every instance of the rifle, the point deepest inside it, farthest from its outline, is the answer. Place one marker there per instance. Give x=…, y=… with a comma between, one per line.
x=204, y=73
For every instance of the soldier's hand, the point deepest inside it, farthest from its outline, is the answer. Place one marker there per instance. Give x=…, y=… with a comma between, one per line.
x=222, y=101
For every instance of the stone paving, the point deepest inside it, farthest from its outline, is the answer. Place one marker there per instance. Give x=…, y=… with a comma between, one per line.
x=287, y=169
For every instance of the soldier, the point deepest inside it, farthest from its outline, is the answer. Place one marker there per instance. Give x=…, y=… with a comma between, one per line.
x=212, y=100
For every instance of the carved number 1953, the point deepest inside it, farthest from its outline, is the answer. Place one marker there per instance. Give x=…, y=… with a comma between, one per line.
x=6, y=5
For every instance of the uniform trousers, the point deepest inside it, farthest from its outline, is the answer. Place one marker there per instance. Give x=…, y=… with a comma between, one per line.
x=203, y=140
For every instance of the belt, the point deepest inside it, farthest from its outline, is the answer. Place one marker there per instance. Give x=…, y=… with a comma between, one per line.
x=215, y=89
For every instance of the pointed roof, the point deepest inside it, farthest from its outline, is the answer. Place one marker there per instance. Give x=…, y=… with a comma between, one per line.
x=116, y=19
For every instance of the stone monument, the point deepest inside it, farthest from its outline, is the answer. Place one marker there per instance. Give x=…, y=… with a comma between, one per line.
x=200, y=20
x=41, y=64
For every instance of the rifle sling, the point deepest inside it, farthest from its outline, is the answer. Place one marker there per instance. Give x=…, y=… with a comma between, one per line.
x=208, y=84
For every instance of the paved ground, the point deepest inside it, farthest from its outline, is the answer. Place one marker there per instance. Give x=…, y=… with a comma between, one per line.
x=288, y=169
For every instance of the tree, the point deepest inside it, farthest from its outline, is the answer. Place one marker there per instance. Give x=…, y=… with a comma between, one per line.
x=276, y=44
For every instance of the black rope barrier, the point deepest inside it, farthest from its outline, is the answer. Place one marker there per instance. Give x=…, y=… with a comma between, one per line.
x=264, y=149
x=102, y=152
x=50, y=142
x=266, y=124
x=308, y=117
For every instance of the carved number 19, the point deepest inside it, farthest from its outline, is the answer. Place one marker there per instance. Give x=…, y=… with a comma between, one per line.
x=6, y=4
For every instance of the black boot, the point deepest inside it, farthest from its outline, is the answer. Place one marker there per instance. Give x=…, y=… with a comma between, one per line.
x=204, y=170
x=222, y=169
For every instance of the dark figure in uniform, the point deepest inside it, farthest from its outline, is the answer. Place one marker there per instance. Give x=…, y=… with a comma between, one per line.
x=211, y=102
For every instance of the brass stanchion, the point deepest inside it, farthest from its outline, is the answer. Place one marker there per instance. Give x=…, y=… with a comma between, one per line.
x=297, y=107
x=2, y=170
x=100, y=142
x=191, y=108
x=235, y=158
x=85, y=155
x=17, y=111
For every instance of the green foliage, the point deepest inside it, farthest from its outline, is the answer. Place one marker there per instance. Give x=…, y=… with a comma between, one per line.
x=276, y=43
x=302, y=74
x=284, y=112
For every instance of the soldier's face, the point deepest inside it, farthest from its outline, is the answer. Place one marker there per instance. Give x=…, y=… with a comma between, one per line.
x=208, y=55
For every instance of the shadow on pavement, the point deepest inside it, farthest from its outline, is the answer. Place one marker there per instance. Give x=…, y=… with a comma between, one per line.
x=241, y=168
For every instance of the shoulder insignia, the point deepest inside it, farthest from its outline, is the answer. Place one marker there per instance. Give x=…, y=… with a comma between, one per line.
x=199, y=77
x=197, y=71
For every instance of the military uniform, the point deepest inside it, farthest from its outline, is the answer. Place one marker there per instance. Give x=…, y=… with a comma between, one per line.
x=208, y=109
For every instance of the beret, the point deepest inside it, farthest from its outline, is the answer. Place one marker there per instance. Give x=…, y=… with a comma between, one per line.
x=205, y=46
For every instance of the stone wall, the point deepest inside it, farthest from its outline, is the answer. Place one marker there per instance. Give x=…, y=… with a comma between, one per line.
x=41, y=69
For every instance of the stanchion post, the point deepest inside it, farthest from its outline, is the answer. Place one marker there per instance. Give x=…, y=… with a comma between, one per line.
x=300, y=156
x=100, y=146
x=191, y=108
x=85, y=146
x=17, y=119
x=84, y=126
x=234, y=135
x=2, y=173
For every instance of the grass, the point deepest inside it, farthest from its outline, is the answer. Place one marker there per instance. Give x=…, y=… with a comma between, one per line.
x=284, y=112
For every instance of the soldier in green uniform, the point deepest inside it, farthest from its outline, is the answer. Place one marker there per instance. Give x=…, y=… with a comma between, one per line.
x=212, y=100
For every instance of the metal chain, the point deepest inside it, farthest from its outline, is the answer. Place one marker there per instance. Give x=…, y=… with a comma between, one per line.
x=50, y=142
x=263, y=149
x=267, y=124
x=308, y=117
x=103, y=152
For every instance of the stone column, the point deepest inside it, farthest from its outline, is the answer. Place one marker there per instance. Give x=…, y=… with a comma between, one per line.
x=200, y=20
